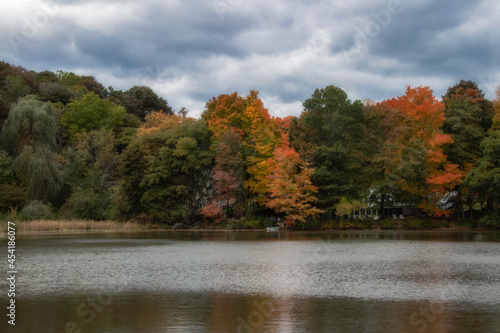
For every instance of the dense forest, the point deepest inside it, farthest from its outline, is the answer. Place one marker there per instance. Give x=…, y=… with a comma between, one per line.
x=71, y=148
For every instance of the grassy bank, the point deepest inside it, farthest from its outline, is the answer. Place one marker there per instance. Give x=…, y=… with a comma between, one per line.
x=41, y=226
x=72, y=226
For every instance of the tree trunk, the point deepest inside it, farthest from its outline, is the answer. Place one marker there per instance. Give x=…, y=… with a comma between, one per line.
x=462, y=212
x=471, y=208
x=382, y=203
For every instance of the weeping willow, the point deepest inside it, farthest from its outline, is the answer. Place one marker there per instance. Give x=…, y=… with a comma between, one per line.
x=29, y=133
x=30, y=122
x=41, y=170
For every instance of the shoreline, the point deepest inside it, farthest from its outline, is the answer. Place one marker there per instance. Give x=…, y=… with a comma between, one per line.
x=47, y=227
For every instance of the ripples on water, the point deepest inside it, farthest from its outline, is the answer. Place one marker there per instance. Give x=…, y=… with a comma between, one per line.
x=365, y=278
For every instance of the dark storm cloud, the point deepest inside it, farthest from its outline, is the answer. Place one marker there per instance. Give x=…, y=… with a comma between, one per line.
x=190, y=51
x=429, y=44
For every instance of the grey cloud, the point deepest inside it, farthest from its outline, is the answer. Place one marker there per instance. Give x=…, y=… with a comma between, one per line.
x=284, y=49
x=413, y=36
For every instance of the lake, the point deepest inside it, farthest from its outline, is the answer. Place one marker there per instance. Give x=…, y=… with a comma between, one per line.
x=361, y=281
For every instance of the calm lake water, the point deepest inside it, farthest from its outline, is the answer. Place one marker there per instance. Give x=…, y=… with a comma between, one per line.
x=375, y=281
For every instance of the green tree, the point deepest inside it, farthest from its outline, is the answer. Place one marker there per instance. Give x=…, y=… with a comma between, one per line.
x=135, y=168
x=92, y=113
x=4, y=110
x=29, y=133
x=94, y=178
x=13, y=196
x=333, y=117
x=471, y=89
x=14, y=88
x=484, y=179
x=332, y=127
x=166, y=172
x=127, y=131
x=30, y=122
x=25, y=78
x=468, y=117
x=383, y=126
x=141, y=101
x=55, y=92
x=69, y=79
x=92, y=86
x=178, y=176
x=36, y=210
x=98, y=151
x=46, y=76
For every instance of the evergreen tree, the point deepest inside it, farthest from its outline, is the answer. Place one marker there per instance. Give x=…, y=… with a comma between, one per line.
x=332, y=128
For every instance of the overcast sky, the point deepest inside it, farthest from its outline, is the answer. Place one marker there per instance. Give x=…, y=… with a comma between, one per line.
x=192, y=50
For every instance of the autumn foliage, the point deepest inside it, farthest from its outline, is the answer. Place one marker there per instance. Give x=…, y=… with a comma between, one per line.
x=225, y=184
x=254, y=161
x=291, y=190
x=418, y=158
x=156, y=122
x=76, y=149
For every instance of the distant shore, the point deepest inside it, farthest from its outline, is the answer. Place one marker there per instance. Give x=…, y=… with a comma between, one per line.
x=77, y=226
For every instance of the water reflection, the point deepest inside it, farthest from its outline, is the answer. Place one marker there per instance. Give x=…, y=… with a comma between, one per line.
x=191, y=312
x=448, y=236
x=259, y=282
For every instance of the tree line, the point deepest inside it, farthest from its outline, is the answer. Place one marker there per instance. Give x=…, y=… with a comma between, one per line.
x=71, y=148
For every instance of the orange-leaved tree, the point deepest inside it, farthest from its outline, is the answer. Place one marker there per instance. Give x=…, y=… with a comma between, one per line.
x=258, y=132
x=290, y=186
x=420, y=164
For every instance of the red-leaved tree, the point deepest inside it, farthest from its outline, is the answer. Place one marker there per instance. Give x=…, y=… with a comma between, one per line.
x=290, y=186
x=419, y=162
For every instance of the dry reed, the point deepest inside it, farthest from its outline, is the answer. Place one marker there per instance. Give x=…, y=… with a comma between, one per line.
x=76, y=225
